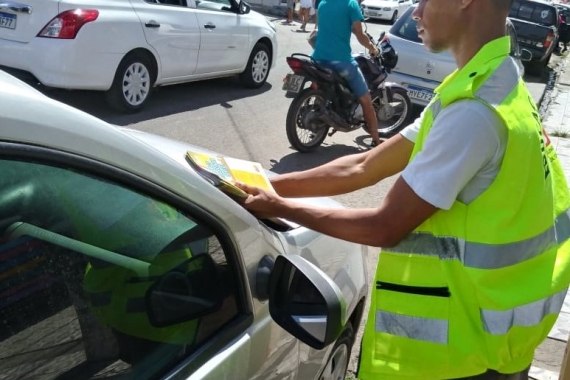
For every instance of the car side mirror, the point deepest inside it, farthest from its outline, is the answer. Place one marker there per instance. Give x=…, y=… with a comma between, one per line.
x=526, y=55
x=188, y=292
x=305, y=302
x=244, y=8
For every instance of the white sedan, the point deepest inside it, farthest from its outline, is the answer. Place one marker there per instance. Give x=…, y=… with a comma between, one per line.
x=119, y=261
x=126, y=47
x=385, y=9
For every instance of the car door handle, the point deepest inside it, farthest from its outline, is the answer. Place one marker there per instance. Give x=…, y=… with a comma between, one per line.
x=152, y=24
x=210, y=26
x=15, y=7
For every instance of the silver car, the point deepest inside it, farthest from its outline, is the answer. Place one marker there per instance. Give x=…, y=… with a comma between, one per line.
x=420, y=70
x=118, y=261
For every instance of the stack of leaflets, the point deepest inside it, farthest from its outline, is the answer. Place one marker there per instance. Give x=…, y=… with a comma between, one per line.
x=224, y=172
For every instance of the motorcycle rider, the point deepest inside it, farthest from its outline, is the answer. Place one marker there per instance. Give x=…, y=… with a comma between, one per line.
x=337, y=19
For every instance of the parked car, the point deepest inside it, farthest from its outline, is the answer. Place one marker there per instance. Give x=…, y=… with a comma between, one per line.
x=420, y=70
x=536, y=24
x=127, y=47
x=385, y=9
x=118, y=260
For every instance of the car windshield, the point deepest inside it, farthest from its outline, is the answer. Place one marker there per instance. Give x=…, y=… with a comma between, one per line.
x=534, y=12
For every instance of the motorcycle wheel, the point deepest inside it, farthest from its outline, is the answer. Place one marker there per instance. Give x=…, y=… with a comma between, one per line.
x=394, y=116
x=305, y=138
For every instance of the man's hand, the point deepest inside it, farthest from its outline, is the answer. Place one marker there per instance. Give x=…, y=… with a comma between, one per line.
x=263, y=204
x=374, y=52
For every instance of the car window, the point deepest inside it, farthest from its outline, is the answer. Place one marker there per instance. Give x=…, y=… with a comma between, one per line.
x=178, y=3
x=533, y=12
x=215, y=5
x=98, y=281
x=405, y=28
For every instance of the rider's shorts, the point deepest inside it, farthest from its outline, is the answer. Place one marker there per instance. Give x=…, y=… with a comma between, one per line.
x=350, y=72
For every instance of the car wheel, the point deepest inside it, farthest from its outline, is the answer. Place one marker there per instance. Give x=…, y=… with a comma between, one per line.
x=132, y=84
x=257, y=69
x=337, y=363
x=535, y=68
x=394, y=17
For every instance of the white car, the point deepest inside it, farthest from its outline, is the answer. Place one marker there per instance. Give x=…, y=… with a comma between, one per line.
x=126, y=47
x=385, y=9
x=119, y=261
x=420, y=70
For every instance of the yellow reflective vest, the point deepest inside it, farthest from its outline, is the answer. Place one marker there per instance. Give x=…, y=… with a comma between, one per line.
x=478, y=286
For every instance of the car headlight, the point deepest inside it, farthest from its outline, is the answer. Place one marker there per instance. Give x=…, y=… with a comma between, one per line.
x=387, y=8
x=271, y=25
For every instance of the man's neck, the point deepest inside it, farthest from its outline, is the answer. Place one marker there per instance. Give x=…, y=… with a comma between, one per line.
x=468, y=46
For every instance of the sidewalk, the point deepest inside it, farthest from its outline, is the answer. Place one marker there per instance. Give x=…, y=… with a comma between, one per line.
x=556, y=121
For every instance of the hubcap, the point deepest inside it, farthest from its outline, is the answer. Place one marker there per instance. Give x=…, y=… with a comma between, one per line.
x=336, y=367
x=136, y=84
x=260, y=66
x=307, y=132
x=391, y=115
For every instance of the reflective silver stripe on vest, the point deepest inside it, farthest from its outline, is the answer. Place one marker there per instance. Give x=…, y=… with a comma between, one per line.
x=425, y=329
x=485, y=256
x=501, y=83
x=500, y=322
x=435, y=108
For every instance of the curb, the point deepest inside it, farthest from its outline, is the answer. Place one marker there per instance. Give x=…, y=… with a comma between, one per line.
x=546, y=97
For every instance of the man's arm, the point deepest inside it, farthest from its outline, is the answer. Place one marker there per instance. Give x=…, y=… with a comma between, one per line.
x=348, y=173
x=398, y=215
x=363, y=38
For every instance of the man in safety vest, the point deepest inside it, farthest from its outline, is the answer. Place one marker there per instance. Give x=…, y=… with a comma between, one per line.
x=475, y=231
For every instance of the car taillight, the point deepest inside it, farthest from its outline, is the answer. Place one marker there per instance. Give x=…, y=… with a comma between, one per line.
x=549, y=39
x=66, y=25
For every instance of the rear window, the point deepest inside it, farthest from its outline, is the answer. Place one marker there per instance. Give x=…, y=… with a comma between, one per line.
x=534, y=12
x=405, y=27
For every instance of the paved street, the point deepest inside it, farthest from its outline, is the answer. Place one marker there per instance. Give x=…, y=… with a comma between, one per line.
x=221, y=115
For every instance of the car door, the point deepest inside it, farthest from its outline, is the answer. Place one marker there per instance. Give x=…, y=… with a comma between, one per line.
x=104, y=275
x=225, y=37
x=171, y=28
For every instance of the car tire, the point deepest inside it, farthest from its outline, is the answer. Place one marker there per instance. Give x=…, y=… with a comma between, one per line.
x=133, y=83
x=535, y=68
x=337, y=362
x=258, y=66
x=394, y=17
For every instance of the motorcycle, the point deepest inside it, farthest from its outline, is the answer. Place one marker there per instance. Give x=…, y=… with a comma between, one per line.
x=322, y=99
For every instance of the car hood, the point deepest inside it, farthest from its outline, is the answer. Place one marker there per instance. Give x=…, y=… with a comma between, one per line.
x=176, y=150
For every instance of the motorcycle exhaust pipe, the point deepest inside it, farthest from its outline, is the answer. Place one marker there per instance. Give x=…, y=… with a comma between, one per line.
x=332, y=119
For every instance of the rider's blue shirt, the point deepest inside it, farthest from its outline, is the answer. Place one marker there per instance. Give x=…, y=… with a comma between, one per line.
x=335, y=18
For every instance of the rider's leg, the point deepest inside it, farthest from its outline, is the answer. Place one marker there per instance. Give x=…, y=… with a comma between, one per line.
x=370, y=116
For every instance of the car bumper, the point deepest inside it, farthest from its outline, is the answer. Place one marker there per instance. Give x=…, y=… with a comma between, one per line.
x=379, y=15
x=61, y=63
x=420, y=90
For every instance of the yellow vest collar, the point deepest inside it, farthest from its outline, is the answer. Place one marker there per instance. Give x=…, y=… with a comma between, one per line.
x=478, y=64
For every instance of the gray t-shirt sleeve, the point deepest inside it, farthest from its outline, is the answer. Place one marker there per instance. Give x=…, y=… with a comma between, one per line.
x=461, y=156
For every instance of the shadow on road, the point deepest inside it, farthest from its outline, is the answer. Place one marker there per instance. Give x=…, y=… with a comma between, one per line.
x=164, y=101
x=302, y=161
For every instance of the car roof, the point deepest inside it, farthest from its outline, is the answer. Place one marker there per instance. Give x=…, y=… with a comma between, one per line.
x=30, y=117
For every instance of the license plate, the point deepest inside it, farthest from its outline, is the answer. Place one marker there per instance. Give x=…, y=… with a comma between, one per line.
x=420, y=93
x=372, y=13
x=7, y=20
x=293, y=83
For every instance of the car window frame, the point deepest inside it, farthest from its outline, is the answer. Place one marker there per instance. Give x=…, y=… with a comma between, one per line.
x=104, y=171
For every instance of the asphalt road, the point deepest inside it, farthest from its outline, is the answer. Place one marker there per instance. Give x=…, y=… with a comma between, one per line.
x=250, y=124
